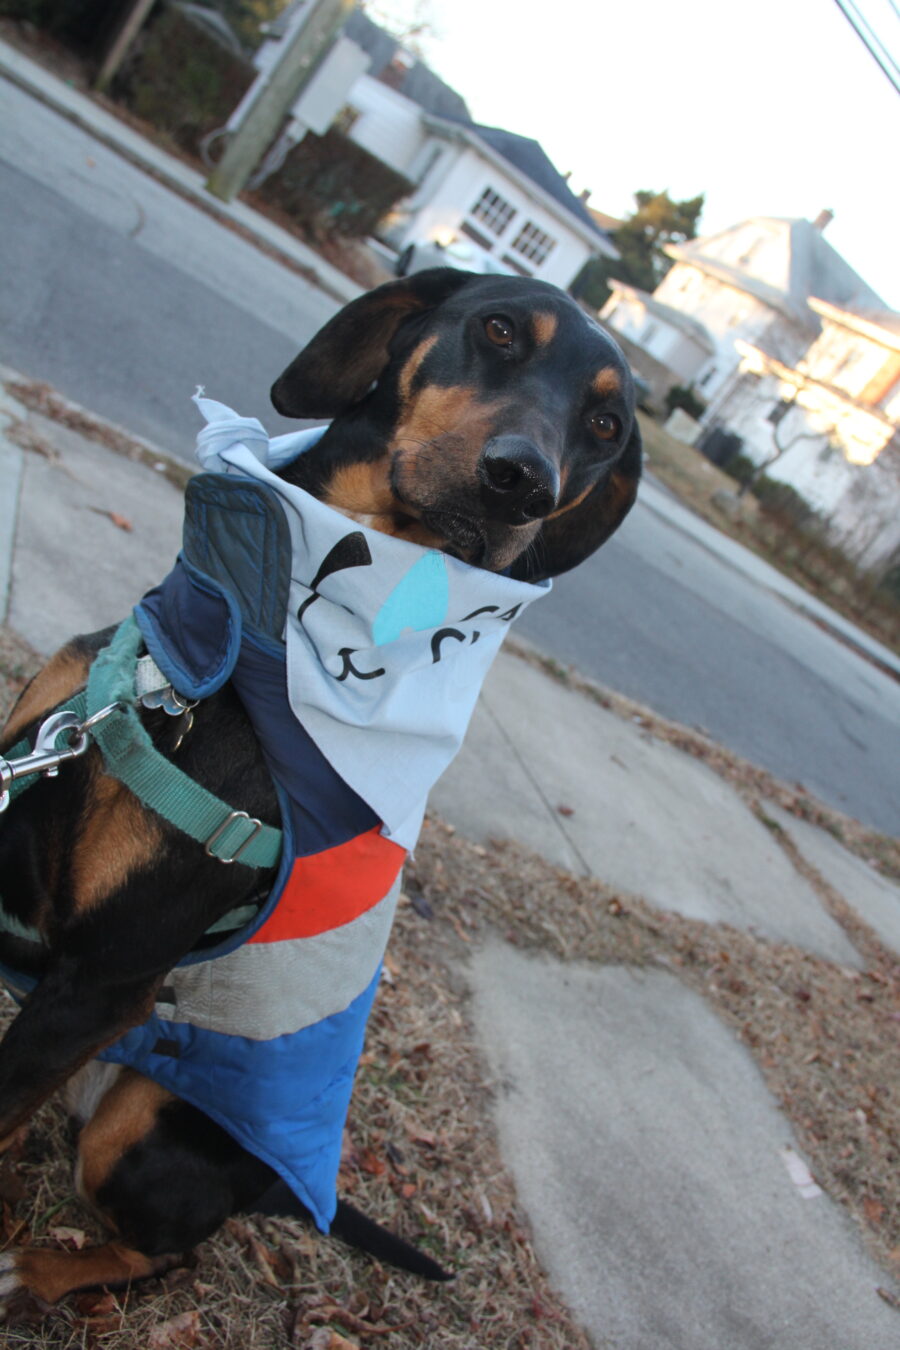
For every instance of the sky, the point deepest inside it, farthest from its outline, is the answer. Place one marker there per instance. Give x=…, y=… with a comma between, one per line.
x=772, y=108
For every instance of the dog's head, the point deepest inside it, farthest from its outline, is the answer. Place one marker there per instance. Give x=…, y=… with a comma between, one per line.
x=489, y=417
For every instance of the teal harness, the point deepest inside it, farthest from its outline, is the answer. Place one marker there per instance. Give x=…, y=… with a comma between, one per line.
x=106, y=712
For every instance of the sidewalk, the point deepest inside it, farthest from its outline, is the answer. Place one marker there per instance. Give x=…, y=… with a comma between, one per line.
x=660, y=1196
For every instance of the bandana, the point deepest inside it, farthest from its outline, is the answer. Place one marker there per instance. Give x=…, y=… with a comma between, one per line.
x=382, y=636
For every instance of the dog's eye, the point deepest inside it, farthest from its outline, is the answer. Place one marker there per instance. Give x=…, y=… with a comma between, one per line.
x=499, y=331
x=604, y=426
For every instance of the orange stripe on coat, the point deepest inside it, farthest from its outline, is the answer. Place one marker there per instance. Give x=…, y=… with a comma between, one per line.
x=329, y=889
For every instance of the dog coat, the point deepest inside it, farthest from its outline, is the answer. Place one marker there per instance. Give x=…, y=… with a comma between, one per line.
x=358, y=658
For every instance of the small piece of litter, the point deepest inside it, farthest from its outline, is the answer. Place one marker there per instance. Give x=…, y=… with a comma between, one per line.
x=800, y=1174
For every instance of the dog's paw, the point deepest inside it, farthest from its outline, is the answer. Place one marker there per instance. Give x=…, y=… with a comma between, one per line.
x=20, y=1306
x=10, y=1277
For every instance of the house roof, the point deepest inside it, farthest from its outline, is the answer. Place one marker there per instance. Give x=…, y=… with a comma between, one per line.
x=418, y=83
x=436, y=99
x=530, y=158
x=468, y=133
x=685, y=322
x=797, y=263
x=883, y=325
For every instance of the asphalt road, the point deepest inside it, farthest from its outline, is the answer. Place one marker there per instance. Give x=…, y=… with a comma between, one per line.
x=125, y=297
x=657, y=617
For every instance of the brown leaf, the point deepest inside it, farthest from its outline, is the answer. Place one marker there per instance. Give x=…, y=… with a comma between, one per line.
x=370, y=1162
x=873, y=1209
x=179, y=1333
x=122, y=522
x=566, y=810
x=264, y=1259
x=95, y=1305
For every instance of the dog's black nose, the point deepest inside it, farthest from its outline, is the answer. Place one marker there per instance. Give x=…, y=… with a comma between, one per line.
x=518, y=482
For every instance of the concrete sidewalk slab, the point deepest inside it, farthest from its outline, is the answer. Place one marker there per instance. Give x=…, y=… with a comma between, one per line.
x=74, y=570
x=646, y=817
x=874, y=897
x=650, y=1158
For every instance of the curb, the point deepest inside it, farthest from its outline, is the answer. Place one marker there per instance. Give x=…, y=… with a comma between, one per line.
x=35, y=396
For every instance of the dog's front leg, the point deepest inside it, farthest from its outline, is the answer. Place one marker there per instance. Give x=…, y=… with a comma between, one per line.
x=72, y=1014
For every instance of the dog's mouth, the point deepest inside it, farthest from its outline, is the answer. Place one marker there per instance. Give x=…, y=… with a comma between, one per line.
x=464, y=537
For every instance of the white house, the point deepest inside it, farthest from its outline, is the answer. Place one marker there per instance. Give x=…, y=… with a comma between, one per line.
x=750, y=283
x=797, y=358
x=830, y=425
x=494, y=186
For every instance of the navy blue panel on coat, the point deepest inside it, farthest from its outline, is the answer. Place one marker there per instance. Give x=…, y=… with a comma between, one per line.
x=236, y=532
x=324, y=811
x=192, y=629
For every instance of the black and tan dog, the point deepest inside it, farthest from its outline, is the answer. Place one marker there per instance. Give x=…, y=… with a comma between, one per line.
x=488, y=417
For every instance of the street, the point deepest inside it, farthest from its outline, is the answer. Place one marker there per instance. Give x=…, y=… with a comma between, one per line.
x=125, y=297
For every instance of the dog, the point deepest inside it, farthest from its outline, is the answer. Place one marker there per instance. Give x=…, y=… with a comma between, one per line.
x=487, y=420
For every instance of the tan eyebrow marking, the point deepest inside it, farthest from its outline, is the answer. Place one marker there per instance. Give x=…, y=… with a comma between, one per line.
x=410, y=370
x=607, y=381
x=544, y=327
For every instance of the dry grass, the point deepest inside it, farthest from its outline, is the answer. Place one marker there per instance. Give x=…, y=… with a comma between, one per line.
x=691, y=476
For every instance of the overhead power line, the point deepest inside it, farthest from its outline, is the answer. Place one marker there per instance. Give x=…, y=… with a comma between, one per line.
x=871, y=41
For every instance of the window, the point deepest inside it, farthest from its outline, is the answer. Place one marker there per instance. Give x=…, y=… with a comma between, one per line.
x=493, y=211
x=533, y=244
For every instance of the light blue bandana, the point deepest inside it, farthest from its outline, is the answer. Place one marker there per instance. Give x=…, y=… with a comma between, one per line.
x=382, y=635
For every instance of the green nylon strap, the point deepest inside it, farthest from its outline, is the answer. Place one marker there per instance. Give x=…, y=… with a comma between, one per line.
x=132, y=758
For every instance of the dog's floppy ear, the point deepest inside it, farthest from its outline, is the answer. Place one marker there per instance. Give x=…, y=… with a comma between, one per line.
x=573, y=535
x=342, y=361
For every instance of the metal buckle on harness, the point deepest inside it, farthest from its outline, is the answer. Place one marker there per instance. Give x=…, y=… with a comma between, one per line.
x=220, y=830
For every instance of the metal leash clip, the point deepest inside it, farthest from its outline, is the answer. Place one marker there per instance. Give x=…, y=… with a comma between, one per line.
x=45, y=758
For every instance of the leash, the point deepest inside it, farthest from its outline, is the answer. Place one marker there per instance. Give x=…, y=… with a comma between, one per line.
x=106, y=713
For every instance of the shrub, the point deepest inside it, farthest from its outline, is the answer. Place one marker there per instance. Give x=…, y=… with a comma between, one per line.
x=681, y=396
x=740, y=467
x=889, y=584
x=329, y=184
x=782, y=501
x=181, y=79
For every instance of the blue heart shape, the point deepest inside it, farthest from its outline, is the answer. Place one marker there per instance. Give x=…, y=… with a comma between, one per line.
x=419, y=600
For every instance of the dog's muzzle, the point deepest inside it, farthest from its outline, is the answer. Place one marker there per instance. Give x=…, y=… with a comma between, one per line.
x=518, y=482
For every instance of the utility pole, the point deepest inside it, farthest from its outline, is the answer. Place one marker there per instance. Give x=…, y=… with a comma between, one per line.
x=275, y=91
